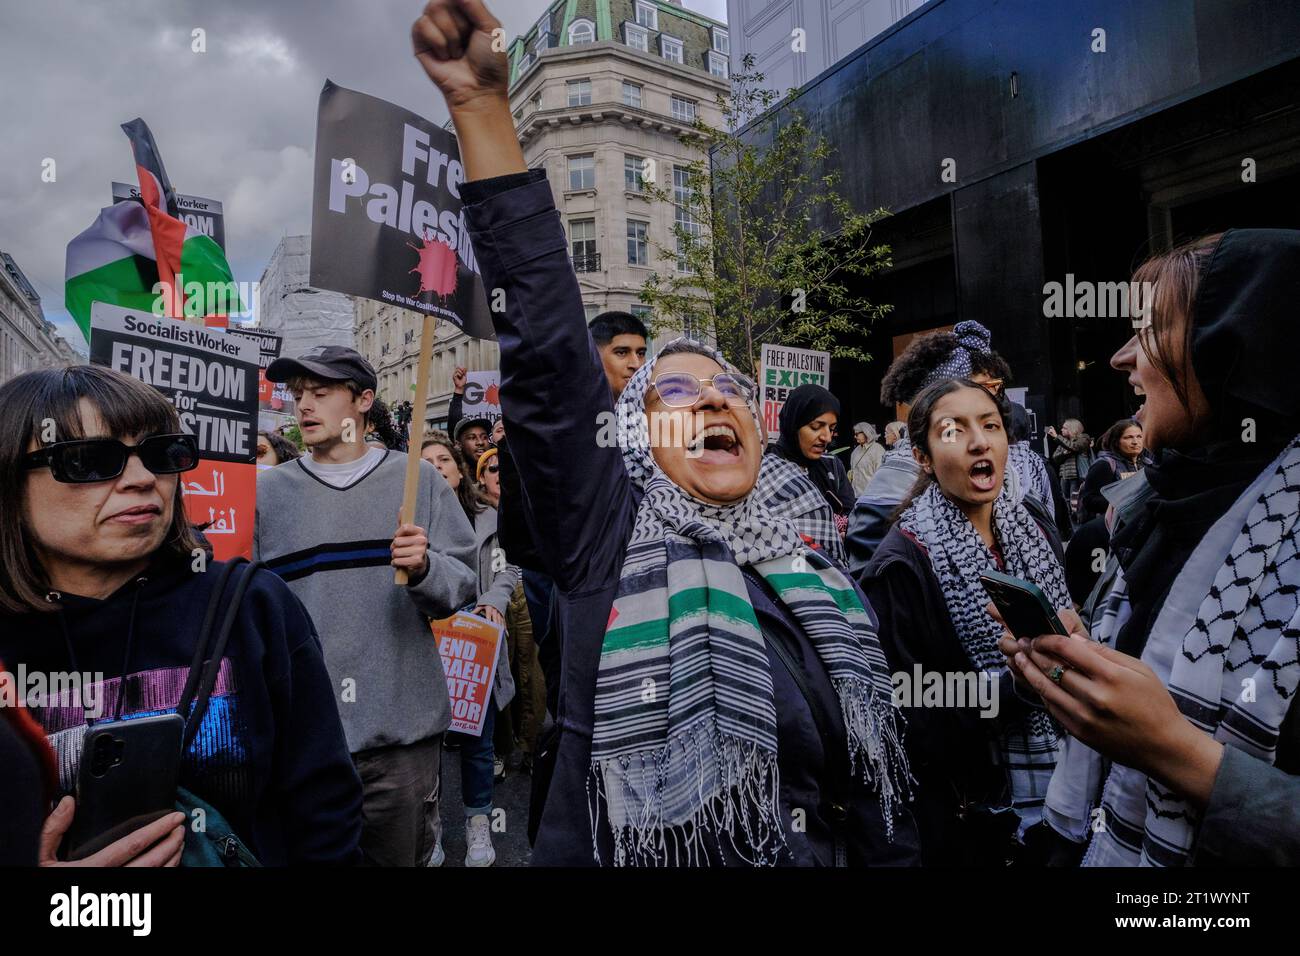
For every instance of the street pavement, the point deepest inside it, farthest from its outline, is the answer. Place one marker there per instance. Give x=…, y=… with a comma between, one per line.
x=510, y=797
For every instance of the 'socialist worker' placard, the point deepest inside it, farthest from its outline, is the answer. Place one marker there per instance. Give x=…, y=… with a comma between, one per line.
x=469, y=647
x=210, y=376
x=784, y=369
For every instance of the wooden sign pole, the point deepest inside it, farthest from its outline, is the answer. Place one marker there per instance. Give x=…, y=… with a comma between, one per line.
x=412, y=486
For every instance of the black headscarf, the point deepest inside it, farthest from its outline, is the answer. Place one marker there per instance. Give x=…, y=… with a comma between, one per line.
x=801, y=406
x=1242, y=324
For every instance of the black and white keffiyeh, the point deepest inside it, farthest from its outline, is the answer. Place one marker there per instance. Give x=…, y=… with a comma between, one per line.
x=958, y=556
x=1226, y=643
x=684, y=742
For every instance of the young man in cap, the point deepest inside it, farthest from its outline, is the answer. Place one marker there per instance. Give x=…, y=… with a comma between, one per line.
x=325, y=523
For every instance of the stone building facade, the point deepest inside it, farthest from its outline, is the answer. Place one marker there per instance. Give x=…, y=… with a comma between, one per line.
x=28, y=340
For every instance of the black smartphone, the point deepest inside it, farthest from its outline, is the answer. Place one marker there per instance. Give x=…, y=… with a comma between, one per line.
x=1022, y=604
x=127, y=779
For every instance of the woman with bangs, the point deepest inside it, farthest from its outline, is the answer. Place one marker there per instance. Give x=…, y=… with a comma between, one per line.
x=1179, y=697
x=101, y=574
x=982, y=760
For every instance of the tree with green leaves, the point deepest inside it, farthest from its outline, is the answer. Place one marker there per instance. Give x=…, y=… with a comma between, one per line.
x=746, y=264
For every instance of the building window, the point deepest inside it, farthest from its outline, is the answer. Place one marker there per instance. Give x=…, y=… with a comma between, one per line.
x=670, y=48
x=638, y=38
x=642, y=312
x=721, y=41
x=581, y=31
x=647, y=15
x=718, y=65
x=691, y=326
x=638, y=246
x=524, y=63
x=633, y=171
x=582, y=172
x=543, y=43
x=590, y=311
x=631, y=94
x=537, y=102
x=582, y=243
x=683, y=110
x=579, y=92
x=684, y=217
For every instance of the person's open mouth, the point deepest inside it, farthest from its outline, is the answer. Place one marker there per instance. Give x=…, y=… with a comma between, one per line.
x=717, y=444
x=1141, y=393
x=983, y=476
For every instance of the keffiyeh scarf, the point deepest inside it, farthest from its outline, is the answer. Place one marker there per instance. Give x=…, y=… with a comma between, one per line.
x=1226, y=643
x=684, y=745
x=958, y=555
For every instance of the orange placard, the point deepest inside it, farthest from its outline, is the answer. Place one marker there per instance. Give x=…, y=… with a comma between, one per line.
x=221, y=498
x=470, y=648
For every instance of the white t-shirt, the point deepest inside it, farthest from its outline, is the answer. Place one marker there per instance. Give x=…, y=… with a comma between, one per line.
x=347, y=473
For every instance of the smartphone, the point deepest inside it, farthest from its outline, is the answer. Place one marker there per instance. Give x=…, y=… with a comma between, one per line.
x=127, y=779
x=1022, y=604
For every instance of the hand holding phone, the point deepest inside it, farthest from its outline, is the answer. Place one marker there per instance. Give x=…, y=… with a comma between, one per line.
x=1024, y=607
x=157, y=844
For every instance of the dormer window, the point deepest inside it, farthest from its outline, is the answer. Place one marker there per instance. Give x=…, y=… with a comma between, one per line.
x=637, y=37
x=647, y=15
x=670, y=48
x=722, y=41
x=581, y=31
x=718, y=64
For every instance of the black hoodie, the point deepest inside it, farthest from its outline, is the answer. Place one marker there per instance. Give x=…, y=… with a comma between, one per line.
x=270, y=753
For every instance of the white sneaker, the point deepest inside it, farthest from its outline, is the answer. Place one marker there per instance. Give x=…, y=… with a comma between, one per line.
x=438, y=856
x=478, y=834
x=498, y=769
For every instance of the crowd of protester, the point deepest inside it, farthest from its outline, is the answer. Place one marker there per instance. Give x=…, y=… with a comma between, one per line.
x=716, y=648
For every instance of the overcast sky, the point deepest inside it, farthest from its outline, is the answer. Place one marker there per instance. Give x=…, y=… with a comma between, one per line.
x=236, y=124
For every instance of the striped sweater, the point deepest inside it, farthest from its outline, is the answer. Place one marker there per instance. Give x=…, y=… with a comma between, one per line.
x=331, y=545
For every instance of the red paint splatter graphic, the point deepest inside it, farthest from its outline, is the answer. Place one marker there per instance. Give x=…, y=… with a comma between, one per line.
x=436, y=268
x=493, y=396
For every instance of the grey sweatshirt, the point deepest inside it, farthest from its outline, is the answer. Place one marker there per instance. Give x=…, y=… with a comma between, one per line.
x=331, y=545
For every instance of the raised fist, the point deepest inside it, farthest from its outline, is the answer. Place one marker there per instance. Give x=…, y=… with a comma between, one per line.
x=462, y=47
x=458, y=378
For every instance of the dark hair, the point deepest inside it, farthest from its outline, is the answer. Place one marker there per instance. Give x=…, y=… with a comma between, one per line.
x=467, y=493
x=380, y=421
x=918, y=425
x=607, y=325
x=907, y=374
x=991, y=364
x=284, y=449
x=1111, y=436
x=1176, y=278
x=31, y=402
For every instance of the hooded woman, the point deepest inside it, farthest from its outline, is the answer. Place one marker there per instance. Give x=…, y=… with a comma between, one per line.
x=865, y=458
x=983, y=761
x=1180, y=704
x=721, y=678
x=809, y=423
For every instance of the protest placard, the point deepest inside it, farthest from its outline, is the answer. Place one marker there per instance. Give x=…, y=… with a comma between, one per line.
x=470, y=647
x=482, y=398
x=210, y=375
x=784, y=368
x=271, y=396
x=386, y=211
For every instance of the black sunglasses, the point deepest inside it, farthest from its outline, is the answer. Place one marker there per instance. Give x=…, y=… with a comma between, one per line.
x=102, y=459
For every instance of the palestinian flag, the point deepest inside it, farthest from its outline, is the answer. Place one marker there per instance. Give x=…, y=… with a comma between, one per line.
x=131, y=246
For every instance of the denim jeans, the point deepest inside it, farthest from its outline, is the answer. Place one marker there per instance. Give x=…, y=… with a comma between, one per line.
x=476, y=767
x=399, y=810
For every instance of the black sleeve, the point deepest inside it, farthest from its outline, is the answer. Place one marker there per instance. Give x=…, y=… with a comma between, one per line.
x=514, y=533
x=21, y=799
x=1099, y=476
x=455, y=411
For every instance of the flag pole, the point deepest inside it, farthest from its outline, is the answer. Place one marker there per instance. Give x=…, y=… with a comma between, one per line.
x=412, y=486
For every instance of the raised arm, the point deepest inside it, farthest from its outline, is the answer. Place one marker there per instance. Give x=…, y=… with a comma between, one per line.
x=553, y=389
